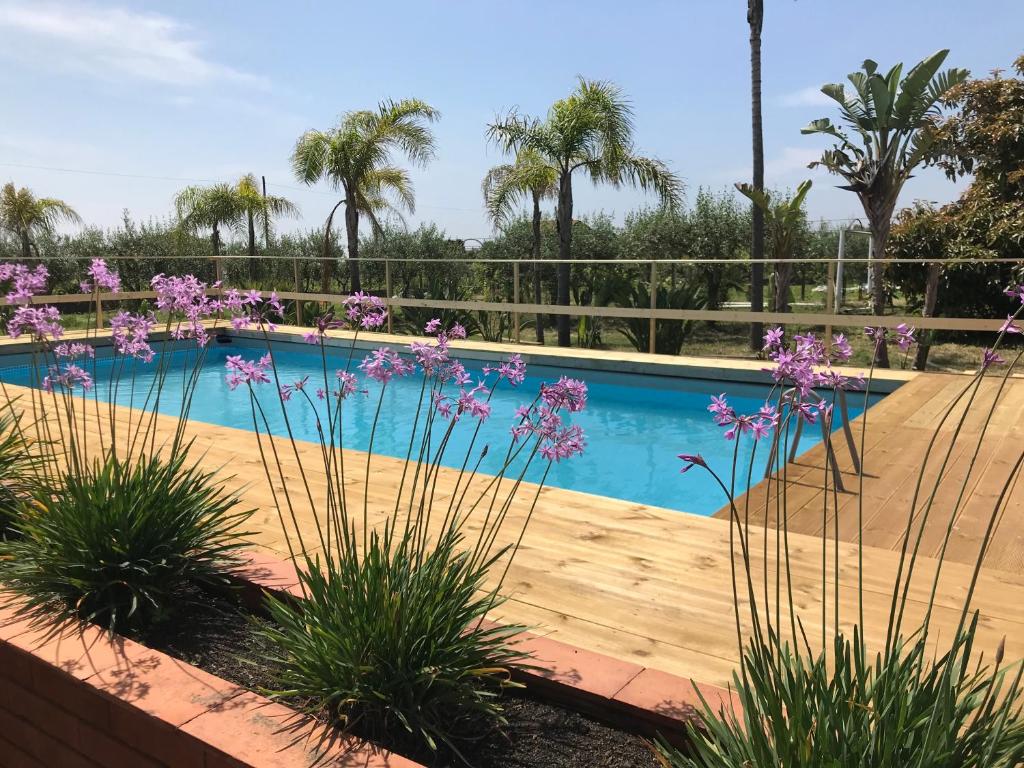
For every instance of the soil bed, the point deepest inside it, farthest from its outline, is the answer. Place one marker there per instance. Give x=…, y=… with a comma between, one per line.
x=213, y=634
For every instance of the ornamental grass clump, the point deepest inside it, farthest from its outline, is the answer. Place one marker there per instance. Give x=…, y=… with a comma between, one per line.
x=391, y=639
x=18, y=465
x=119, y=542
x=835, y=700
x=120, y=522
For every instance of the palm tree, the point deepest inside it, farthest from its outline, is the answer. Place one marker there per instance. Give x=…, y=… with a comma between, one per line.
x=785, y=219
x=210, y=208
x=592, y=130
x=26, y=216
x=755, y=19
x=505, y=186
x=355, y=158
x=894, y=121
x=258, y=208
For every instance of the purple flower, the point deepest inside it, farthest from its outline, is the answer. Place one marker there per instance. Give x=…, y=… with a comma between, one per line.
x=347, y=384
x=1015, y=292
x=432, y=326
x=40, y=322
x=25, y=282
x=383, y=364
x=74, y=349
x=570, y=394
x=101, y=278
x=773, y=338
x=989, y=358
x=1009, y=326
x=67, y=378
x=692, y=460
x=457, y=331
x=512, y=370
x=247, y=371
x=904, y=336
x=365, y=311
x=841, y=348
x=131, y=334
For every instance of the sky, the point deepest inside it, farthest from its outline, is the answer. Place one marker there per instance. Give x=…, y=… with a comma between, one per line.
x=117, y=105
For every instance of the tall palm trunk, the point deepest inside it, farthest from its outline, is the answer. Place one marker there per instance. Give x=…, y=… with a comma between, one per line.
x=327, y=263
x=218, y=268
x=536, y=265
x=564, y=219
x=755, y=18
x=880, y=221
x=26, y=245
x=252, y=248
x=352, y=230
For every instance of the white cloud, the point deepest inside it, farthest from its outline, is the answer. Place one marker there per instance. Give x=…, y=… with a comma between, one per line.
x=791, y=159
x=112, y=43
x=811, y=96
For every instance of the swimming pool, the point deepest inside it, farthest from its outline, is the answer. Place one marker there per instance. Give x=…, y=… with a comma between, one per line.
x=635, y=424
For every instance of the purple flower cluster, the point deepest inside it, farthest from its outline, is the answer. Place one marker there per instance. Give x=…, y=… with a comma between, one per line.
x=570, y=394
x=904, y=336
x=250, y=308
x=512, y=370
x=759, y=424
x=74, y=349
x=365, y=311
x=557, y=440
x=185, y=298
x=384, y=364
x=100, y=278
x=247, y=371
x=131, y=334
x=41, y=323
x=67, y=378
x=25, y=282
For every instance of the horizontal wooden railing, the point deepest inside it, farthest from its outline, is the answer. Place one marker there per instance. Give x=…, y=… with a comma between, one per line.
x=828, y=318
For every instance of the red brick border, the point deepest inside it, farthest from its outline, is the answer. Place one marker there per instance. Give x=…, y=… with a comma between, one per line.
x=632, y=696
x=83, y=699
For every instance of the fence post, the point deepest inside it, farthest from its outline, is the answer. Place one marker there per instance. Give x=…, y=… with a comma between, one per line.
x=654, y=305
x=830, y=297
x=387, y=290
x=515, y=299
x=298, y=289
x=218, y=272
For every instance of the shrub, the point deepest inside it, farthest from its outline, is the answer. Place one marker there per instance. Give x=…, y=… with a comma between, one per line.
x=389, y=638
x=17, y=466
x=919, y=700
x=391, y=644
x=118, y=539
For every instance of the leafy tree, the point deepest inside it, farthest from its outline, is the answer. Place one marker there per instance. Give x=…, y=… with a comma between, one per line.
x=984, y=138
x=356, y=158
x=212, y=207
x=719, y=228
x=257, y=208
x=590, y=130
x=785, y=219
x=894, y=122
x=26, y=216
x=504, y=188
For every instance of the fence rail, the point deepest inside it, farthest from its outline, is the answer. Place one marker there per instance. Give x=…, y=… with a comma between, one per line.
x=828, y=318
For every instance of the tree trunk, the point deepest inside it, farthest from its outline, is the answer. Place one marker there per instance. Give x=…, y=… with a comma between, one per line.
x=26, y=245
x=564, y=219
x=879, y=236
x=755, y=18
x=327, y=263
x=252, y=249
x=352, y=231
x=931, y=299
x=536, y=266
x=783, y=280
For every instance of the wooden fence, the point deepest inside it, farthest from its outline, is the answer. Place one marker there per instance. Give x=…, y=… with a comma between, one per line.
x=828, y=318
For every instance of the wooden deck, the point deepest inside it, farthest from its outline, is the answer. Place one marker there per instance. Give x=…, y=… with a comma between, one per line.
x=653, y=586
x=899, y=432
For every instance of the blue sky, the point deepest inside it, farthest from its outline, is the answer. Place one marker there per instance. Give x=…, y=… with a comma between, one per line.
x=207, y=91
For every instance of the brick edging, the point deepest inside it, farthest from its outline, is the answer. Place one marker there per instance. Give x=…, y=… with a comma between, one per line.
x=84, y=699
x=629, y=695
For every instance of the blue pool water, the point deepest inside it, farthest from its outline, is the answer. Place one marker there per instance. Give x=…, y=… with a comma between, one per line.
x=635, y=424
